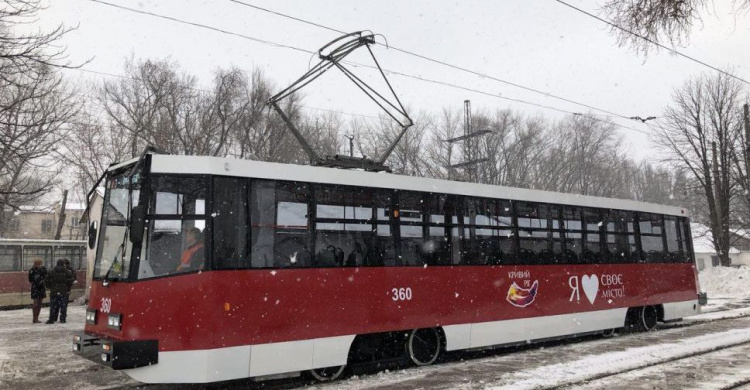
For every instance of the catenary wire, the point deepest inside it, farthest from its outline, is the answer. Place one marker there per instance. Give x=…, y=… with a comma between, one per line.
x=439, y=62
x=653, y=42
x=389, y=71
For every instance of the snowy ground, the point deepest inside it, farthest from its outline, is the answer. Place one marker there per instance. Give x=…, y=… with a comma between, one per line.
x=707, y=351
x=727, y=287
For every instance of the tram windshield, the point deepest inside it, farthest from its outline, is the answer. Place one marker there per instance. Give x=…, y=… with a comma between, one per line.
x=122, y=194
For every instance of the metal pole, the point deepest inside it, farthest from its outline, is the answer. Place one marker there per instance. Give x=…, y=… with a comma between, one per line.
x=309, y=150
x=351, y=144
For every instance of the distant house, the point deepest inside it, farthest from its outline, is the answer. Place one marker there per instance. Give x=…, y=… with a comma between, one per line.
x=705, y=254
x=40, y=222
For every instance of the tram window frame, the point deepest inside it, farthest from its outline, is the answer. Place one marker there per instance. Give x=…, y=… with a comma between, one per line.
x=573, y=235
x=28, y=257
x=488, y=231
x=543, y=229
x=686, y=239
x=344, y=225
x=651, y=235
x=230, y=218
x=594, y=235
x=620, y=225
x=16, y=259
x=158, y=221
x=411, y=231
x=443, y=235
x=72, y=253
x=265, y=224
x=675, y=247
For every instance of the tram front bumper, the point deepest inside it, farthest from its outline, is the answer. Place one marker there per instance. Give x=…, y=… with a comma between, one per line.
x=118, y=355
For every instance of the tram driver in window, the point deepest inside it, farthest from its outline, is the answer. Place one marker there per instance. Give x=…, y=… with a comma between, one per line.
x=193, y=256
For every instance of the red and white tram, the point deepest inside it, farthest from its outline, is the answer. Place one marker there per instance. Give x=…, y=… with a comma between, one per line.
x=307, y=268
x=17, y=257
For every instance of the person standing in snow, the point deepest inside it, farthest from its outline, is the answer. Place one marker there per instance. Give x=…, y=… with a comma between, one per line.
x=37, y=275
x=59, y=281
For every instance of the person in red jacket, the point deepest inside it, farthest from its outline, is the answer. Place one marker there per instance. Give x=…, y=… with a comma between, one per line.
x=193, y=256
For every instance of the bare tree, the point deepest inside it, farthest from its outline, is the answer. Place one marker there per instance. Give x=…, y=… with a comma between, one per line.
x=658, y=21
x=27, y=57
x=89, y=147
x=700, y=132
x=409, y=157
x=31, y=126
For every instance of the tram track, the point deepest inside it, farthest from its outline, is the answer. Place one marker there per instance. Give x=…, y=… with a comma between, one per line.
x=624, y=377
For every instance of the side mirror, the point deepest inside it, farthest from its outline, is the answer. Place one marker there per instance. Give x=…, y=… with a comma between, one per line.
x=137, y=224
x=93, y=233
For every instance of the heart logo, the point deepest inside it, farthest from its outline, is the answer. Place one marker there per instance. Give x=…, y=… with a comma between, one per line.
x=590, y=286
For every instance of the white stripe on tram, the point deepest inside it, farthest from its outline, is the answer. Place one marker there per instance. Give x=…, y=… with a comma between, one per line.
x=212, y=365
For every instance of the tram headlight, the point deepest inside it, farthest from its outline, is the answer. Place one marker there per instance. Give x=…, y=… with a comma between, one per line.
x=91, y=316
x=114, y=321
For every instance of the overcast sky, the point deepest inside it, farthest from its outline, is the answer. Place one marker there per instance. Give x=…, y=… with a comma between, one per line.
x=538, y=44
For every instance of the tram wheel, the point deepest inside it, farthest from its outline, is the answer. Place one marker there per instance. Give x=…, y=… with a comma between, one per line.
x=327, y=373
x=648, y=317
x=423, y=346
x=609, y=332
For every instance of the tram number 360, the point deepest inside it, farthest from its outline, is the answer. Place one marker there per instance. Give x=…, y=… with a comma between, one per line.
x=106, y=305
x=401, y=294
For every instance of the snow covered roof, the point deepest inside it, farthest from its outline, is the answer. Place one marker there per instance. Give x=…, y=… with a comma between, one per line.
x=75, y=206
x=35, y=209
x=703, y=239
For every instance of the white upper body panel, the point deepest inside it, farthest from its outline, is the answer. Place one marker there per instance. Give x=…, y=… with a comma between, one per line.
x=305, y=173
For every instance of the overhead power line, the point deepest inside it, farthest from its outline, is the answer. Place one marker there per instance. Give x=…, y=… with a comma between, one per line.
x=439, y=62
x=653, y=42
x=275, y=44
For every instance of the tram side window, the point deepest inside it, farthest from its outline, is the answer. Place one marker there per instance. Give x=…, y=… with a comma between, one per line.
x=280, y=213
x=593, y=226
x=487, y=232
x=651, y=230
x=229, y=216
x=573, y=230
x=411, y=221
x=675, y=249
x=384, y=247
x=31, y=253
x=620, y=245
x=442, y=246
x=539, y=233
x=178, y=195
x=10, y=258
x=684, y=237
x=72, y=254
x=177, y=226
x=345, y=227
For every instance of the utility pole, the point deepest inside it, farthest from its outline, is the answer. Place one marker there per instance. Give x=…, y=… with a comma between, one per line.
x=469, y=145
x=469, y=150
x=351, y=144
x=61, y=221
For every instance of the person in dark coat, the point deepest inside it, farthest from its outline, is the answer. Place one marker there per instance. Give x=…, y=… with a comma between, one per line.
x=37, y=275
x=59, y=281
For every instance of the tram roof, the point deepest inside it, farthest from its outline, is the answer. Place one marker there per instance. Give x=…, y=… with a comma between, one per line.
x=312, y=174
